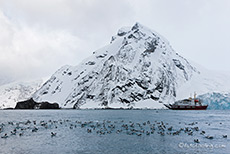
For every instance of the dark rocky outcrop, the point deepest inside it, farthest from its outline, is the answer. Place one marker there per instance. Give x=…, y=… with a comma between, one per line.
x=28, y=104
x=47, y=105
x=31, y=104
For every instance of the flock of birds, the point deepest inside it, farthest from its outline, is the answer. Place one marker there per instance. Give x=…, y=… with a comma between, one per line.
x=104, y=127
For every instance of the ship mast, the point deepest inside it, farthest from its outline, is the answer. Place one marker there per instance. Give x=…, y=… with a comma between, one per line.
x=194, y=95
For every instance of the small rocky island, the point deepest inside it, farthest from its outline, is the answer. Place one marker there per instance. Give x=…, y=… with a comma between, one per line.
x=31, y=104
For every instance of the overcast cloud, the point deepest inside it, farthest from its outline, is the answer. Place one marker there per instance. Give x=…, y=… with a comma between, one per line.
x=39, y=36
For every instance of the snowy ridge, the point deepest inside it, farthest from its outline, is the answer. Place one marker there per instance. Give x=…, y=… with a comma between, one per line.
x=137, y=65
x=11, y=93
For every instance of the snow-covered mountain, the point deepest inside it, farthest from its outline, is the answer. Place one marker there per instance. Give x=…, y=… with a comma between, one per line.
x=138, y=68
x=11, y=93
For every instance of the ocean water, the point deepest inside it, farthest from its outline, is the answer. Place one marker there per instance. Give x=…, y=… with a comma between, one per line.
x=113, y=131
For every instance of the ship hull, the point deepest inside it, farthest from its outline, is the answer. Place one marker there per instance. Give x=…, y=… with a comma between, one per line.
x=182, y=107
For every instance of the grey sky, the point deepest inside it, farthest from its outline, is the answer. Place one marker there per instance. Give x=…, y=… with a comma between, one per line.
x=39, y=36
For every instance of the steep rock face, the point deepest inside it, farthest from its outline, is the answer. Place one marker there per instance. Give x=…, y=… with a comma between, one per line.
x=137, y=65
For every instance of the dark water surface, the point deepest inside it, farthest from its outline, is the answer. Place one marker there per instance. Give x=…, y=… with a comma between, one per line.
x=113, y=131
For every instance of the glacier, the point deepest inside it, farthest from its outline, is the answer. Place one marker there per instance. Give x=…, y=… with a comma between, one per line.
x=216, y=100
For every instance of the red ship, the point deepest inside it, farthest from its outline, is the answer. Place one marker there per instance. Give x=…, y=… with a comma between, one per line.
x=187, y=104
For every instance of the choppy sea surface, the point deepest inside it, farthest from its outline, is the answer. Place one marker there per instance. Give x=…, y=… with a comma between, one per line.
x=114, y=131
